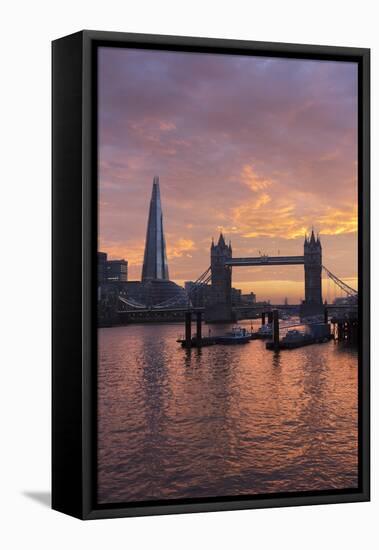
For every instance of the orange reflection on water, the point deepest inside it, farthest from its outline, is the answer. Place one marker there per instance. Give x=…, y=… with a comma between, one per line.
x=221, y=420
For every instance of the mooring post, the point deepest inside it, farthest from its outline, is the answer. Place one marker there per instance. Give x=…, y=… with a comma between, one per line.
x=188, y=318
x=270, y=316
x=263, y=318
x=198, y=328
x=275, y=328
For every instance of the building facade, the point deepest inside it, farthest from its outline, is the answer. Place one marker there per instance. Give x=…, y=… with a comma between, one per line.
x=109, y=271
x=101, y=267
x=117, y=270
x=249, y=299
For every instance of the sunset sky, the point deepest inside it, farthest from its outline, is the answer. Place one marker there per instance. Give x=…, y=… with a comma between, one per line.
x=260, y=148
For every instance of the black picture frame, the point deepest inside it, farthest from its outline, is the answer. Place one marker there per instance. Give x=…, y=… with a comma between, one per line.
x=74, y=205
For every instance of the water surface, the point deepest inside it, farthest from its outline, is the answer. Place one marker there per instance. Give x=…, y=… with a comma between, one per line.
x=223, y=420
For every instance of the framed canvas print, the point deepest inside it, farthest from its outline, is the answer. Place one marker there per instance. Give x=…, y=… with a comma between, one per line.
x=210, y=274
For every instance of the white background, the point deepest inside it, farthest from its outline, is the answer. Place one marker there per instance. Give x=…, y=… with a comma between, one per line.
x=26, y=31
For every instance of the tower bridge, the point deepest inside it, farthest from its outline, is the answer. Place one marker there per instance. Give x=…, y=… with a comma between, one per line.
x=222, y=262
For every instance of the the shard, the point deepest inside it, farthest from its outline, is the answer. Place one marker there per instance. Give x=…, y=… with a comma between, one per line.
x=155, y=259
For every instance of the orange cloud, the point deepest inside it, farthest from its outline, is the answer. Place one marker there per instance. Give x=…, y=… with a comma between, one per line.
x=181, y=247
x=291, y=217
x=262, y=200
x=263, y=218
x=336, y=221
x=250, y=178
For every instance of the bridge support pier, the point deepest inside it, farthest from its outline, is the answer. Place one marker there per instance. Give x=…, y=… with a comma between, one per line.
x=188, y=319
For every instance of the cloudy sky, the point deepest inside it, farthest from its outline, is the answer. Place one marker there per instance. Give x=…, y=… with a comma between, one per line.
x=260, y=148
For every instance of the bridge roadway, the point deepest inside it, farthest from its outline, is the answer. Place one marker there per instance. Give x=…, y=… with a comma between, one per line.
x=266, y=260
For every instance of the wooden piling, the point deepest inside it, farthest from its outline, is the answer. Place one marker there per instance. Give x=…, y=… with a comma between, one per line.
x=198, y=328
x=263, y=318
x=188, y=319
x=270, y=316
x=275, y=328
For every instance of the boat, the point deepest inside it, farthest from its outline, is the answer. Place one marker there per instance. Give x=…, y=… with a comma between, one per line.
x=295, y=336
x=294, y=339
x=194, y=343
x=265, y=331
x=237, y=335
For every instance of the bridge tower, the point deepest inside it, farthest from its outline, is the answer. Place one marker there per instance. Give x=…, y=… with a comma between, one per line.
x=219, y=307
x=312, y=272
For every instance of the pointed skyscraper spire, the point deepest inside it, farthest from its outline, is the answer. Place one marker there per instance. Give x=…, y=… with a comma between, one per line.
x=155, y=260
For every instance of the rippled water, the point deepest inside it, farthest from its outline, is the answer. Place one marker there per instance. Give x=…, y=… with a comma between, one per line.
x=223, y=420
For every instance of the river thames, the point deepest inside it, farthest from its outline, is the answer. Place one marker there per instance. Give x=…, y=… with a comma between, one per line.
x=222, y=420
